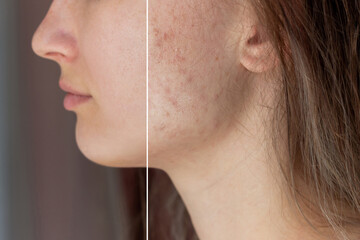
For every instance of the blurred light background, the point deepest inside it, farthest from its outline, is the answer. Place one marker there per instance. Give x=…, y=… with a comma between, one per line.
x=48, y=190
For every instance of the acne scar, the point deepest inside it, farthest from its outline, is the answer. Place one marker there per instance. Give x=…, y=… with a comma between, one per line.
x=173, y=101
x=167, y=90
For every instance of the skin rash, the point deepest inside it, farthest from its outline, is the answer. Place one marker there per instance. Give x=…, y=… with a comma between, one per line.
x=192, y=58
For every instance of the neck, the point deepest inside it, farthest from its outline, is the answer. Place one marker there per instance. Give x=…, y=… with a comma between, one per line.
x=234, y=190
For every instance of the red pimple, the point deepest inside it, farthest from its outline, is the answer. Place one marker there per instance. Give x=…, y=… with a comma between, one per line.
x=174, y=102
x=167, y=90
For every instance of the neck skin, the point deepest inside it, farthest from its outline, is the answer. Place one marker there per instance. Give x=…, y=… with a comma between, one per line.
x=233, y=188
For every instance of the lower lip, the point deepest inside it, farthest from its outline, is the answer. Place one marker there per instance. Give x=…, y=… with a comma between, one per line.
x=71, y=100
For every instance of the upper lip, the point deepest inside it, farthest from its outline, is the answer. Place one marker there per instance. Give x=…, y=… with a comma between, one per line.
x=67, y=88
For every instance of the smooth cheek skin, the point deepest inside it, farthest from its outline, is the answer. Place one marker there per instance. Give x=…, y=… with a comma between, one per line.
x=192, y=77
x=111, y=131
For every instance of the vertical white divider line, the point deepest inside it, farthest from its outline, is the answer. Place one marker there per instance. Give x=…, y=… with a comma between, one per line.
x=147, y=120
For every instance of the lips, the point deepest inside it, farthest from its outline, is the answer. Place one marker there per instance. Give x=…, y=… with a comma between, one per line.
x=73, y=98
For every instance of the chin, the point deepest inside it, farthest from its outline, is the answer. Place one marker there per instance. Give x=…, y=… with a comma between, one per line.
x=109, y=153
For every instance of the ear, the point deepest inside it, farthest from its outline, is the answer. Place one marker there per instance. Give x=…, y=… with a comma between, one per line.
x=257, y=54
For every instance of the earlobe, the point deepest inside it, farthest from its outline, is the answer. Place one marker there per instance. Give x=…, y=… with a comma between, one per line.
x=257, y=53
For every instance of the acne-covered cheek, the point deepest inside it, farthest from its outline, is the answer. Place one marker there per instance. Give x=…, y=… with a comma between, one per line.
x=186, y=89
x=181, y=33
x=180, y=62
x=184, y=106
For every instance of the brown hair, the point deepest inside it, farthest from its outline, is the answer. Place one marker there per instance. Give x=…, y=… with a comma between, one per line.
x=318, y=46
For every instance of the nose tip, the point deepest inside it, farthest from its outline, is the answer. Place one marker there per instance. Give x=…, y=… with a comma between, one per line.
x=52, y=40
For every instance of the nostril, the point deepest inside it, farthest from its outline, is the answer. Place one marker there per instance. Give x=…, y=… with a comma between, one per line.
x=54, y=55
x=55, y=45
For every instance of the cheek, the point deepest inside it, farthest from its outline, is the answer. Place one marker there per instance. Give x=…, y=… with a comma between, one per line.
x=188, y=77
x=116, y=63
x=180, y=35
x=115, y=68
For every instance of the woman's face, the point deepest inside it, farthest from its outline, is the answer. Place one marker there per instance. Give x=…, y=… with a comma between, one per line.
x=196, y=84
x=101, y=49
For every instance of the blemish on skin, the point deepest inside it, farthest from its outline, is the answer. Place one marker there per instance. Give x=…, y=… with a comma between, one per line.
x=172, y=134
x=217, y=124
x=174, y=102
x=217, y=95
x=156, y=31
x=167, y=36
x=162, y=127
x=167, y=90
x=163, y=37
x=179, y=58
x=182, y=71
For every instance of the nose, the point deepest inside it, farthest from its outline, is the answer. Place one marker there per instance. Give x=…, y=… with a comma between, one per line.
x=54, y=39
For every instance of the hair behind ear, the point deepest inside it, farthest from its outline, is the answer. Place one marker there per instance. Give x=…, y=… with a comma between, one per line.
x=318, y=47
